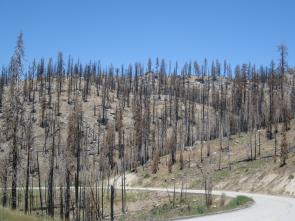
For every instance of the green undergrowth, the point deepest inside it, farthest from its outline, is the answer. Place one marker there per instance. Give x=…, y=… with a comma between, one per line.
x=238, y=201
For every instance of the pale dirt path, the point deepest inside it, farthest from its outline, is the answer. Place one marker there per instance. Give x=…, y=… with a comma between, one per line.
x=265, y=207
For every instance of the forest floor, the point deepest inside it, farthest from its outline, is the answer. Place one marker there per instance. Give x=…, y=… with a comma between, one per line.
x=10, y=215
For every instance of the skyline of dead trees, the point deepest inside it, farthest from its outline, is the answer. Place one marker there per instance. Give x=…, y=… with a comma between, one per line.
x=141, y=114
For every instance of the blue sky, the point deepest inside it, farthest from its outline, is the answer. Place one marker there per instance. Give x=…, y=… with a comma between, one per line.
x=126, y=31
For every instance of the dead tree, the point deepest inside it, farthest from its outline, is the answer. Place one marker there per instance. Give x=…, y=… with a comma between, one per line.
x=4, y=179
x=284, y=149
x=206, y=171
x=50, y=198
x=13, y=112
x=29, y=144
x=112, y=202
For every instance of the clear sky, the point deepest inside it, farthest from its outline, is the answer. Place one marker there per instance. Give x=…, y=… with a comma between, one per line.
x=126, y=31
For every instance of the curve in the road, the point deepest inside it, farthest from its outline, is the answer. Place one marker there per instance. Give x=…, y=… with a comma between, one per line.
x=265, y=208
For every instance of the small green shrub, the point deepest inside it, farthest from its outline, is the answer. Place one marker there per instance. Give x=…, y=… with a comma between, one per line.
x=238, y=201
x=122, y=218
x=146, y=175
x=200, y=210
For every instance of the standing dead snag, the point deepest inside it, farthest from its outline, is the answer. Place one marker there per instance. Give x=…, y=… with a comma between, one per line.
x=13, y=112
x=39, y=184
x=171, y=147
x=123, y=163
x=73, y=154
x=69, y=155
x=138, y=132
x=275, y=145
x=271, y=85
x=181, y=161
x=283, y=66
x=112, y=202
x=110, y=145
x=206, y=171
x=14, y=163
x=3, y=178
x=59, y=79
x=50, y=200
x=284, y=149
x=29, y=144
x=105, y=97
x=2, y=89
x=155, y=162
x=170, y=164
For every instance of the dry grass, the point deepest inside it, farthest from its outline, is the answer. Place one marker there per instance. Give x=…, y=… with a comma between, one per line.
x=9, y=215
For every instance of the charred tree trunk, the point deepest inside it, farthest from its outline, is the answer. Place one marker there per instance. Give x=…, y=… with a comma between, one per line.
x=112, y=202
x=27, y=179
x=39, y=184
x=67, y=195
x=14, y=169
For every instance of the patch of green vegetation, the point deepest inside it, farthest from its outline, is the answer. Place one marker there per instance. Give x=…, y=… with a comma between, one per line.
x=291, y=177
x=238, y=201
x=146, y=175
x=201, y=209
x=122, y=218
